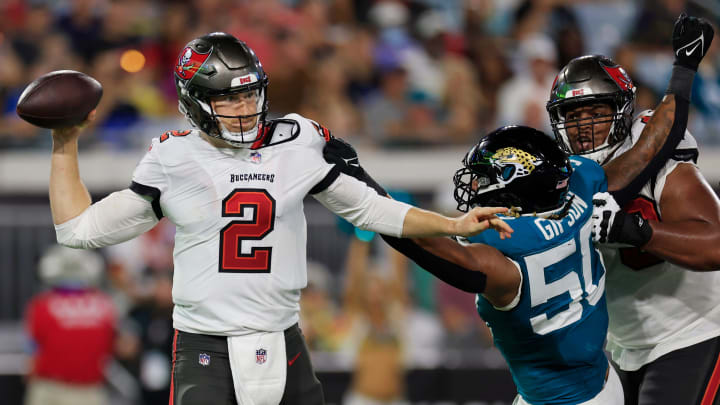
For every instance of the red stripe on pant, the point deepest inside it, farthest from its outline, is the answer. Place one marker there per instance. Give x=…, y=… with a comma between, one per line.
x=172, y=372
x=712, y=387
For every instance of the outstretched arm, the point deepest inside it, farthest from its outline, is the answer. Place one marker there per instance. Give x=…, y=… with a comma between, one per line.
x=353, y=200
x=474, y=268
x=628, y=173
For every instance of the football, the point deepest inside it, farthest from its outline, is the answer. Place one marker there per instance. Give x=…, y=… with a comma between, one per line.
x=59, y=99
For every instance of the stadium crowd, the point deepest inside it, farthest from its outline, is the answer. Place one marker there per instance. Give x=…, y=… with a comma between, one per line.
x=380, y=73
x=388, y=73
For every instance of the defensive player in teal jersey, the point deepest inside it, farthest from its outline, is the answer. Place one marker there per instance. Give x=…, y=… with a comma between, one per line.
x=542, y=292
x=552, y=329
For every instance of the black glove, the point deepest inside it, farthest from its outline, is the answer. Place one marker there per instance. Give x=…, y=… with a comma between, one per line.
x=613, y=225
x=691, y=39
x=345, y=158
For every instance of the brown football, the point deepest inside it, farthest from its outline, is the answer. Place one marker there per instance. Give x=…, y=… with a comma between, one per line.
x=59, y=99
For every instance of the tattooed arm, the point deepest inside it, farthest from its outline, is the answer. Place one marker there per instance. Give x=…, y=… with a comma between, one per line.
x=657, y=142
x=667, y=126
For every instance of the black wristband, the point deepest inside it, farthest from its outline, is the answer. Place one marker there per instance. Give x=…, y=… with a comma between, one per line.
x=632, y=229
x=681, y=82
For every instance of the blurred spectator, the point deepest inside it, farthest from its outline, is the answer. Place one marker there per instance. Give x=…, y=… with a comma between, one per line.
x=72, y=329
x=655, y=19
x=319, y=314
x=327, y=99
x=83, y=26
x=28, y=39
x=146, y=342
x=133, y=265
x=492, y=71
x=386, y=111
x=521, y=101
x=377, y=306
x=458, y=314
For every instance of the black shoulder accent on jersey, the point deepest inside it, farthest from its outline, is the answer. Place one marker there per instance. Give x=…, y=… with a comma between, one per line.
x=153, y=193
x=269, y=138
x=449, y=272
x=686, y=155
x=326, y=181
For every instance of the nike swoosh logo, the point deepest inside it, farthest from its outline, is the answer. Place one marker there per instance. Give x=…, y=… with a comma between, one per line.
x=351, y=161
x=700, y=41
x=291, y=361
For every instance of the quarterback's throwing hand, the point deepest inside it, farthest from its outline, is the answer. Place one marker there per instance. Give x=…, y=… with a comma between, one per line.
x=480, y=219
x=63, y=135
x=691, y=39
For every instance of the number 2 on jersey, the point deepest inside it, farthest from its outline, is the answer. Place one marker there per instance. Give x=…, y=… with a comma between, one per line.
x=261, y=223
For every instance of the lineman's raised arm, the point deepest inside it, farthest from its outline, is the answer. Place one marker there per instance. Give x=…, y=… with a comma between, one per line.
x=628, y=173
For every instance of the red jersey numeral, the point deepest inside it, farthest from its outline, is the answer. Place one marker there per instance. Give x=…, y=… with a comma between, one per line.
x=232, y=260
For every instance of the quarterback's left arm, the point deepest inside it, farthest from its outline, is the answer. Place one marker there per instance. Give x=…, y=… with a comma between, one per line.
x=362, y=206
x=688, y=234
x=357, y=197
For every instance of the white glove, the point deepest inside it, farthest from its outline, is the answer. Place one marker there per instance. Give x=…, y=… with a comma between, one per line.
x=605, y=210
x=612, y=225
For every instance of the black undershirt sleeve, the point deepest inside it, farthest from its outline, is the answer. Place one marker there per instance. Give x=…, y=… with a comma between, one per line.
x=451, y=273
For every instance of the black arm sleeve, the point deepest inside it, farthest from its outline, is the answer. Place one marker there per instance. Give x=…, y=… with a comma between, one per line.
x=677, y=132
x=451, y=273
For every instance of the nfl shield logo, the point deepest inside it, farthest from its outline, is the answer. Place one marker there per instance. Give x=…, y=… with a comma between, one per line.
x=204, y=359
x=255, y=157
x=260, y=356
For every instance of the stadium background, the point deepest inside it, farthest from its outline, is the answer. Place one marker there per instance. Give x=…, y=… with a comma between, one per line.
x=411, y=83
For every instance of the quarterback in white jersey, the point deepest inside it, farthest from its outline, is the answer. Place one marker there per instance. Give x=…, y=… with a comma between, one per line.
x=664, y=324
x=234, y=188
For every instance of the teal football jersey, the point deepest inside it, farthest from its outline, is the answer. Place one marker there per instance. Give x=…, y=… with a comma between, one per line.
x=553, y=338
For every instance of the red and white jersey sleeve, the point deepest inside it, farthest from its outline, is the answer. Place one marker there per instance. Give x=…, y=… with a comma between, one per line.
x=655, y=306
x=240, y=244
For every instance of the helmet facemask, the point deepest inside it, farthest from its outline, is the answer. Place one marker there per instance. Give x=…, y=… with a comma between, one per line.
x=239, y=136
x=511, y=177
x=587, y=80
x=619, y=128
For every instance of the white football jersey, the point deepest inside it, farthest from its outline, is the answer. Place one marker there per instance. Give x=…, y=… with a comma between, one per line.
x=240, y=246
x=655, y=306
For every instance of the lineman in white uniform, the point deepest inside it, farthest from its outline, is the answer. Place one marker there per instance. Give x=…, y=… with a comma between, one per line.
x=234, y=188
x=664, y=319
